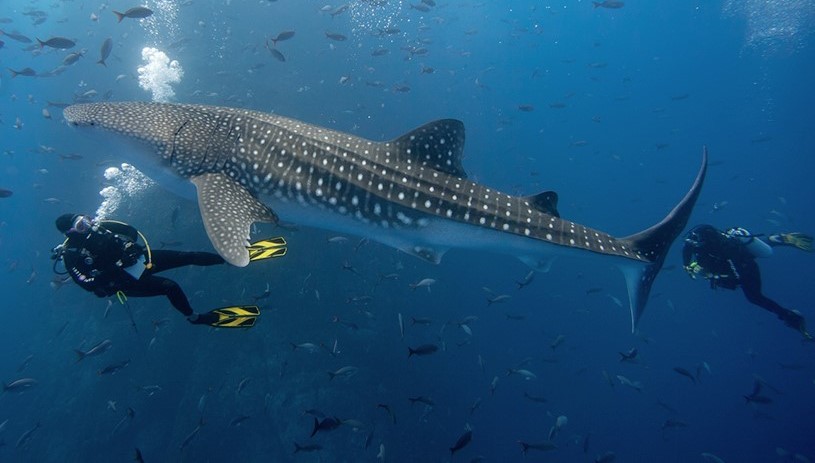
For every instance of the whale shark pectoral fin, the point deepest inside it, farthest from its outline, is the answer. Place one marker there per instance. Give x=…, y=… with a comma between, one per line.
x=432, y=255
x=542, y=265
x=228, y=211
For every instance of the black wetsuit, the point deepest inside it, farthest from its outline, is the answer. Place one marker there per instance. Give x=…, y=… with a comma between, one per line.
x=96, y=261
x=727, y=263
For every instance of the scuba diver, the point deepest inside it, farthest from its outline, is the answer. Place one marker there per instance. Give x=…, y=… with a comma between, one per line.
x=728, y=260
x=103, y=257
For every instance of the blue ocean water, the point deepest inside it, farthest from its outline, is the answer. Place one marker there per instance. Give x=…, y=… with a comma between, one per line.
x=608, y=107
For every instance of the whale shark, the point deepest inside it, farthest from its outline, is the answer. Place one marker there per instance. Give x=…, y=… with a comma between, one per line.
x=410, y=193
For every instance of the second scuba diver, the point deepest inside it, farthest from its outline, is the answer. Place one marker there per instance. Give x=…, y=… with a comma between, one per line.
x=728, y=260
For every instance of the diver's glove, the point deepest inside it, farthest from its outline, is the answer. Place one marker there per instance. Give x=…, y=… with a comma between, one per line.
x=799, y=240
x=693, y=269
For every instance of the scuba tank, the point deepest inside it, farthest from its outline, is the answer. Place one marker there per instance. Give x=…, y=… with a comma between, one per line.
x=755, y=246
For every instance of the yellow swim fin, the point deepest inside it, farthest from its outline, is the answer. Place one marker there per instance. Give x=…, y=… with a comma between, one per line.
x=799, y=240
x=267, y=249
x=243, y=316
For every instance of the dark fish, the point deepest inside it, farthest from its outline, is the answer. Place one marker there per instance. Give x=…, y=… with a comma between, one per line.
x=307, y=447
x=607, y=457
x=137, y=456
x=475, y=405
x=422, y=399
x=25, y=363
x=421, y=7
x=26, y=436
x=238, y=420
x=2, y=43
x=527, y=108
x=27, y=72
x=669, y=423
x=191, y=435
x=137, y=12
x=72, y=58
x=4, y=193
x=420, y=321
x=61, y=43
x=527, y=279
x=389, y=31
x=113, y=368
x=543, y=447
x=20, y=384
x=757, y=399
x=594, y=290
x=70, y=156
x=129, y=415
x=666, y=406
x=339, y=10
x=424, y=349
x=286, y=35
x=380, y=52
x=461, y=442
x=336, y=36
x=277, y=55
x=16, y=37
x=99, y=348
x=685, y=373
x=58, y=104
x=629, y=356
x=326, y=424
x=388, y=411
x=104, y=52
x=533, y=398
x=608, y=4
x=429, y=2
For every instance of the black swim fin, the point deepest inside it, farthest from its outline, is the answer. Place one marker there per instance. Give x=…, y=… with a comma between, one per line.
x=242, y=316
x=267, y=249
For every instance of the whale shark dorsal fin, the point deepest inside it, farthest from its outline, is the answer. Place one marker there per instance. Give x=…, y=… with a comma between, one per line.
x=438, y=144
x=546, y=202
x=228, y=211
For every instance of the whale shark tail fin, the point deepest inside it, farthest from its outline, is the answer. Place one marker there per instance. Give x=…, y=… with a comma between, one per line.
x=654, y=243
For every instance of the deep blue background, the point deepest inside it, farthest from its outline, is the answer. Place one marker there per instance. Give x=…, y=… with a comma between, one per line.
x=735, y=76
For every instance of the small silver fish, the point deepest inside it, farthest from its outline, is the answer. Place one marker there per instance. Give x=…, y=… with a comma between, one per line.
x=20, y=385
x=423, y=283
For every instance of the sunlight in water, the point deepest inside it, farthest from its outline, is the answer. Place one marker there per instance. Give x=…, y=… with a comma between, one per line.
x=773, y=26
